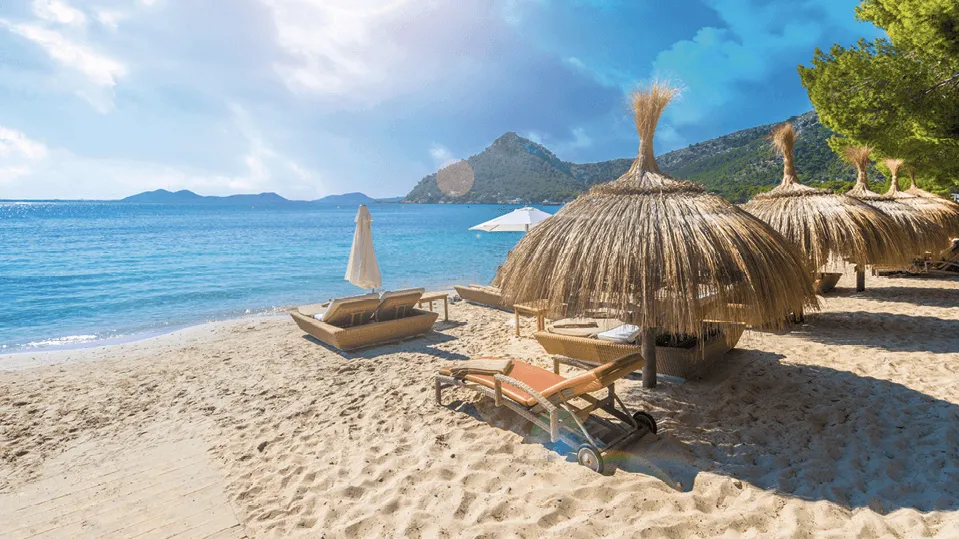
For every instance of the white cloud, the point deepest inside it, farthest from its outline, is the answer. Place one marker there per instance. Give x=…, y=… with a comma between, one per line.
x=58, y=12
x=110, y=19
x=442, y=156
x=534, y=136
x=30, y=170
x=266, y=167
x=333, y=42
x=59, y=30
x=754, y=41
x=18, y=154
x=576, y=62
x=359, y=53
x=578, y=139
x=14, y=143
x=99, y=69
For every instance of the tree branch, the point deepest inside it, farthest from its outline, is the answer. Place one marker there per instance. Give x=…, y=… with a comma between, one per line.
x=953, y=79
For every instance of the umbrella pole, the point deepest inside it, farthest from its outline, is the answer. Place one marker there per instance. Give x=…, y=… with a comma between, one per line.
x=860, y=278
x=649, y=354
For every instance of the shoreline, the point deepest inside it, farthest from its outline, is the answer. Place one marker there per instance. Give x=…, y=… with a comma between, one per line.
x=44, y=356
x=72, y=355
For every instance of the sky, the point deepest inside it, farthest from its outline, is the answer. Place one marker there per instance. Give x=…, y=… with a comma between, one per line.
x=101, y=99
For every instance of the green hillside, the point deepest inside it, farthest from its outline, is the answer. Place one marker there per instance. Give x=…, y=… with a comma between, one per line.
x=735, y=166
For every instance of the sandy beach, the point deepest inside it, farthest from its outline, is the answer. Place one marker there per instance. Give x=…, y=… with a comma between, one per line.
x=847, y=426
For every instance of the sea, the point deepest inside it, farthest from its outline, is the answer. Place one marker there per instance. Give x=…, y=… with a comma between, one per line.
x=76, y=274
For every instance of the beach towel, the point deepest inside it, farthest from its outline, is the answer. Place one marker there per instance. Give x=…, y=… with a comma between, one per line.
x=482, y=367
x=624, y=334
x=575, y=323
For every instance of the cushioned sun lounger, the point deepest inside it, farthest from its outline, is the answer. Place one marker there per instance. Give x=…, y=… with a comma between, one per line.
x=562, y=406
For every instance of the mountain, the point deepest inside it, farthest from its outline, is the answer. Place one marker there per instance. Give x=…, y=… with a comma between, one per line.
x=350, y=199
x=736, y=166
x=162, y=196
x=511, y=168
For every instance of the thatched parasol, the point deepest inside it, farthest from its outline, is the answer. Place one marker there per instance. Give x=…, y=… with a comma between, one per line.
x=922, y=231
x=914, y=189
x=828, y=228
x=657, y=252
x=942, y=211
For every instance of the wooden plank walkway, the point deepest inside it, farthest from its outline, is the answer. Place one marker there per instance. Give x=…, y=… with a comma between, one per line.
x=165, y=490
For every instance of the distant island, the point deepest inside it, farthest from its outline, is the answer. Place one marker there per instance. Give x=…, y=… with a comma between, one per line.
x=162, y=196
x=514, y=169
x=355, y=198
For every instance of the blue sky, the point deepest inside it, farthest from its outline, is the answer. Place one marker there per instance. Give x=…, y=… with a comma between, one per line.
x=106, y=98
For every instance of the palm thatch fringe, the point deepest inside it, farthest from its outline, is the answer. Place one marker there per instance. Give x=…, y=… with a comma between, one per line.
x=828, y=228
x=658, y=252
x=943, y=212
x=924, y=233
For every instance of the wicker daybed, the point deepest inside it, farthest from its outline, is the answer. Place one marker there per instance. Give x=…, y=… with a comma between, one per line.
x=671, y=361
x=364, y=321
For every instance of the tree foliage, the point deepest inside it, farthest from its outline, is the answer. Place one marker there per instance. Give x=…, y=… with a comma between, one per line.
x=899, y=95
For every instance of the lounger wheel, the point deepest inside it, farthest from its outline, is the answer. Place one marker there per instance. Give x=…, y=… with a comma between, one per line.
x=645, y=420
x=589, y=456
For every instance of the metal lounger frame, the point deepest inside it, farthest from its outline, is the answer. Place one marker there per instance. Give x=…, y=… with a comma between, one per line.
x=546, y=414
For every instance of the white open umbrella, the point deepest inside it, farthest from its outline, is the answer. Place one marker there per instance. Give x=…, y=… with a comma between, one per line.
x=362, y=269
x=520, y=220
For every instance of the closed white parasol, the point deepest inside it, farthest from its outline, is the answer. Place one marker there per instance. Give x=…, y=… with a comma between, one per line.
x=521, y=220
x=362, y=269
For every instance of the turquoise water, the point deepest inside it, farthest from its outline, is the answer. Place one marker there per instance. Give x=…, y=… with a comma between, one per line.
x=76, y=273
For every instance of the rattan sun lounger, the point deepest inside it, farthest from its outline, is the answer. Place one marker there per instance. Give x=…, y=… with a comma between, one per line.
x=397, y=304
x=678, y=362
x=344, y=312
x=489, y=296
x=562, y=406
x=346, y=335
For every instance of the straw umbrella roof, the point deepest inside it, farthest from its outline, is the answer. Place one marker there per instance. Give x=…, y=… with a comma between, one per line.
x=923, y=232
x=657, y=252
x=944, y=212
x=828, y=228
x=919, y=192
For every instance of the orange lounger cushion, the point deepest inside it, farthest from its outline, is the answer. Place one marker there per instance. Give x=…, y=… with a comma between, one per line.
x=535, y=377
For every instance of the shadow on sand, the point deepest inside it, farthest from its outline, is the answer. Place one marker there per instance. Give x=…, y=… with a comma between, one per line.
x=921, y=297
x=423, y=345
x=810, y=432
x=886, y=331
x=807, y=432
